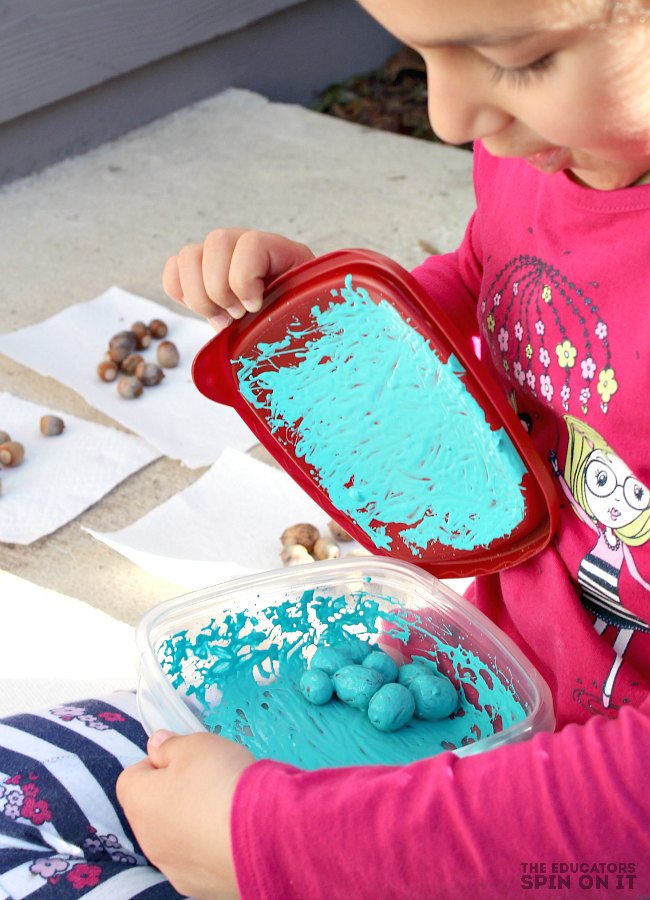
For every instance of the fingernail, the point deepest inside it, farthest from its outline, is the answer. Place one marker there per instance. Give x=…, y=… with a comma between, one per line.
x=236, y=311
x=252, y=305
x=159, y=737
x=220, y=321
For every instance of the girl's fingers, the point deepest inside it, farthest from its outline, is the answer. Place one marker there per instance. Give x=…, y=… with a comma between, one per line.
x=259, y=257
x=171, y=281
x=219, y=319
x=218, y=249
x=159, y=737
x=190, y=273
x=224, y=278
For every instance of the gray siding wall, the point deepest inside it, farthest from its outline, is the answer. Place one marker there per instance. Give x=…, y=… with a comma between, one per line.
x=75, y=73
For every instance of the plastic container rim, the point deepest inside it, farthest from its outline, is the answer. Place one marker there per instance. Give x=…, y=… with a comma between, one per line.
x=153, y=680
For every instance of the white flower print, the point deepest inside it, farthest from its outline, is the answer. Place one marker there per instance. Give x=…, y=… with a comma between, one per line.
x=544, y=357
x=540, y=328
x=503, y=340
x=515, y=289
x=496, y=299
x=519, y=331
x=565, y=393
x=546, y=387
x=530, y=379
x=518, y=372
x=601, y=331
x=68, y=711
x=585, y=394
x=588, y=367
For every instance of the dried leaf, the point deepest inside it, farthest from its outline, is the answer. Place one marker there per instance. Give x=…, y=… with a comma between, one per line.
x=392, y=98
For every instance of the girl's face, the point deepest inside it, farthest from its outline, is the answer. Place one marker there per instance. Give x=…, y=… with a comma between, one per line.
x=614, y=495
x=564, y=84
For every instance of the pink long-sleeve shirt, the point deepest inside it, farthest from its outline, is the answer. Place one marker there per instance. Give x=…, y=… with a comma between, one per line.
x=555, y=280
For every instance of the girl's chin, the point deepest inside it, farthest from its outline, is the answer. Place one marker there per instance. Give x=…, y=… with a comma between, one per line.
x=608, y=178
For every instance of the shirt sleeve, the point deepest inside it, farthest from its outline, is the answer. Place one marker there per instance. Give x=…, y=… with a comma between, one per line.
x=453, y=280
x=480, y=826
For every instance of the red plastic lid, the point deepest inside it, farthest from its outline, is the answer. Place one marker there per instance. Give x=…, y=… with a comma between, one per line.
x=371, y=400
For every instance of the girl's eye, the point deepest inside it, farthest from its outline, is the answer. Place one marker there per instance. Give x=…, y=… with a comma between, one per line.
x=600, y=479
x=521, y=76
x=635, y=494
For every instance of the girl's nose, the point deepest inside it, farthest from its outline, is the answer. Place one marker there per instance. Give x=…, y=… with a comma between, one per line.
x=461, y=104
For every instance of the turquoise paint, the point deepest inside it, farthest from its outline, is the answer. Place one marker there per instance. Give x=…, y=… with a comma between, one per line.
x=391, y=707
x=241, y=674
x=390, y=431
x=316, y=686
x=383, y=664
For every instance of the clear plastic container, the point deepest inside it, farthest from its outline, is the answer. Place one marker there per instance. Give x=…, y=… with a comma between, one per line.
x=408, y=611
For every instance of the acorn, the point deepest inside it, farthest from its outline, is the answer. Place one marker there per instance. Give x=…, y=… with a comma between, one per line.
x=149, y=373
x=326, y=548
x=158, y=329
x=51, y=425
x=121, y=344
x=302, y=533
x=131, y=363
x=4, y=437
x=107, y=370
x=338, y=532
x=11, y=453
x=167, y=355
x=129, y=387
x=295, y=555
x=142, y=335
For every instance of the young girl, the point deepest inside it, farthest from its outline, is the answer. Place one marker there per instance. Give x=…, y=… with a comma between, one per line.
x=552, y=275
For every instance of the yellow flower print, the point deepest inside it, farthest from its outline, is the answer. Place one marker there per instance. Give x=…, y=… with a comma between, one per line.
x=490, y=322
x=506, y=365
x=566, y=354
x=607, y=385
x=547, y=293
x=529, y=351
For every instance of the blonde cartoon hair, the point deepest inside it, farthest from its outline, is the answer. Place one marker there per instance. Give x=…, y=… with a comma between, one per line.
x=583, y=440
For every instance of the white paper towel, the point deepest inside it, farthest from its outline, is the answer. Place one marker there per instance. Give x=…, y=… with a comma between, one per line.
x=60, y=476
x=227, y=524
x=173, y=416
x=56, y=649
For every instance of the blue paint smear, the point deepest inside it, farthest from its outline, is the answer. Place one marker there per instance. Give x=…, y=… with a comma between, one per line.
x=240, y=674
x=390, y=431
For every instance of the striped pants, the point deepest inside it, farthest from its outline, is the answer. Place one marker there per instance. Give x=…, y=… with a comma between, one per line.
x=62, y=832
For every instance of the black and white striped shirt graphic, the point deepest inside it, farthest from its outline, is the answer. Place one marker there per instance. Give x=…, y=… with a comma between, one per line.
x=599, y=582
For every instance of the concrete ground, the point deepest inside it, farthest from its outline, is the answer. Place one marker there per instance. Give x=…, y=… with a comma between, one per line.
x=115, y=214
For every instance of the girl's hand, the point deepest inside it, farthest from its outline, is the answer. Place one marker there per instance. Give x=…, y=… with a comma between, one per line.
x=224, y=277
x=178, y=803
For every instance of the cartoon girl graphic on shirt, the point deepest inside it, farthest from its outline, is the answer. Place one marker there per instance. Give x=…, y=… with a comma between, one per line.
x=605, y=494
